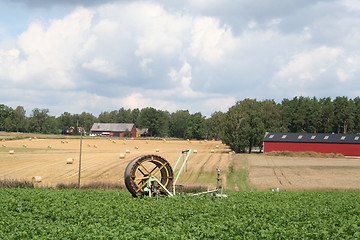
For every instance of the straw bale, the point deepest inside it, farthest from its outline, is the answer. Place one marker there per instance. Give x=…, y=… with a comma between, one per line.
x=11, y=151
x=69, y=161
x=212, y=150
x=127, y=150
x=195, y=151
x=122, y=156
x=36, y=179
x=157, y=150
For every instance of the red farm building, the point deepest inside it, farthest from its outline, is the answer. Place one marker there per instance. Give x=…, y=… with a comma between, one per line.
x=114, y=129
x=346, y=144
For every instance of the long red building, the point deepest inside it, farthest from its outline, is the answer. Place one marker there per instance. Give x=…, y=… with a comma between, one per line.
x=346, y=144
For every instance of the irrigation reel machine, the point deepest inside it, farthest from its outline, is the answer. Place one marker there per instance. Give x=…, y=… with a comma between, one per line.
x=152, y=175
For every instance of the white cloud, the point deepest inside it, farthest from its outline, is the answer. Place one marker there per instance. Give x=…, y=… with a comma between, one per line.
x=210, y=42
x=197, y=55
x=103, y=66
x=306, y=68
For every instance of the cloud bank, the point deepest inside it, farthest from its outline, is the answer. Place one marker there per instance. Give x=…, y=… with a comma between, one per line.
x=198, y=55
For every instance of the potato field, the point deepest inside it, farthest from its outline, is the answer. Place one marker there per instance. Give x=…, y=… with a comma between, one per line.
x=94, y=214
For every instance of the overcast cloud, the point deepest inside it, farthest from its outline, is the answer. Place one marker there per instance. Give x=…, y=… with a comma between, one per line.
x=200, y=55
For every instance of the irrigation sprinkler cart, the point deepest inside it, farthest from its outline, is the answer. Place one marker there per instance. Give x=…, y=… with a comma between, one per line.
x=152, y=175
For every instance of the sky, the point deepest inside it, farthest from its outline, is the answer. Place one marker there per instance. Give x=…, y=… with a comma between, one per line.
x=198, y=55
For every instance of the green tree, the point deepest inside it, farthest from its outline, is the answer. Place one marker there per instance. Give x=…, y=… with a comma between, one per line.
x=196, y=126
x=243, y=126
x=156, y=121
x=86, y=120
x=19, y=119
x=51, y=125
x=271, y=116
x=214, y=125
x=67, y=120
x=179, y=123
x=344, y=114
x=357, y=113
x=326, y=118
x=5, y=112
x=38, y=119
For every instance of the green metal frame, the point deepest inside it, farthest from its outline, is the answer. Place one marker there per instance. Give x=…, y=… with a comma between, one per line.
x=185, y=159
x=184, y=156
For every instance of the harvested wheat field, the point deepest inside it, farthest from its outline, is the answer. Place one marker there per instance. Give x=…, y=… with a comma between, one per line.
x=304, y=173
x=57, y=160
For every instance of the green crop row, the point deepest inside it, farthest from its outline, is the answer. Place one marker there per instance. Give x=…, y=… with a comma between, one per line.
x=94, y=214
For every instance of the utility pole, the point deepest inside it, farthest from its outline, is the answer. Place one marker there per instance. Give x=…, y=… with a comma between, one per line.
x=79, y=175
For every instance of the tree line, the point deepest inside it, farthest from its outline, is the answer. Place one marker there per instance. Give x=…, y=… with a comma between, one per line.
x=242, y=127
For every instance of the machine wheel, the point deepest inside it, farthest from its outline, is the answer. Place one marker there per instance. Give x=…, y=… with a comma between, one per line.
x=140, y=169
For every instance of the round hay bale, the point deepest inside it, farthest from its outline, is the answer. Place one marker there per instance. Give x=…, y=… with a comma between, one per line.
x=127, y=151
x=188, y=140
x=69, y=161
x=113, y=141
x=95, y=146
x=195, y=151
x=157, y=150
x=124, y=143
x=212, y=150
x=24, y=146
x=201, y=141
x=4, y=145
x=11, y=151
x=30, y=139
x=122, y=156
x=164, y=140
x=36, y=179
x=62, y=141
x=66, y=141
x=217, y=146
x=89, y=145
x=49, y=147
x=136, y=147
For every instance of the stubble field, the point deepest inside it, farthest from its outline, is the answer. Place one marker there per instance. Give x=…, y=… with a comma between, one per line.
x=101, y=162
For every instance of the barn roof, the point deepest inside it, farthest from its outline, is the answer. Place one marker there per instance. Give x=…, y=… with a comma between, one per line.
x=312, y=138
x=111, y=127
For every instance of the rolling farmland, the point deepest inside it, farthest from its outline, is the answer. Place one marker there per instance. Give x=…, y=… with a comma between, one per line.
x=101, y=161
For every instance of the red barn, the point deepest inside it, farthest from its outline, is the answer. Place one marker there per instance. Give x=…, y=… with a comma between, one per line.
x=114, y=129
x=347, y=144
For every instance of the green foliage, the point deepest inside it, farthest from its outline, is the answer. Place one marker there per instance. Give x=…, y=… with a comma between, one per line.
x=214, y=125
x=156, y=121
x=73, y=214
x=244, y=125
x=300, y=114
x=179, y=122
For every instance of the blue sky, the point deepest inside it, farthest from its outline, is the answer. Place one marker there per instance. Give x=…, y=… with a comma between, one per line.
x=200, y=55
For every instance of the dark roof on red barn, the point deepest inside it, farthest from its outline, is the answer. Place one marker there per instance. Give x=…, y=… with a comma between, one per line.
x=312, y=138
